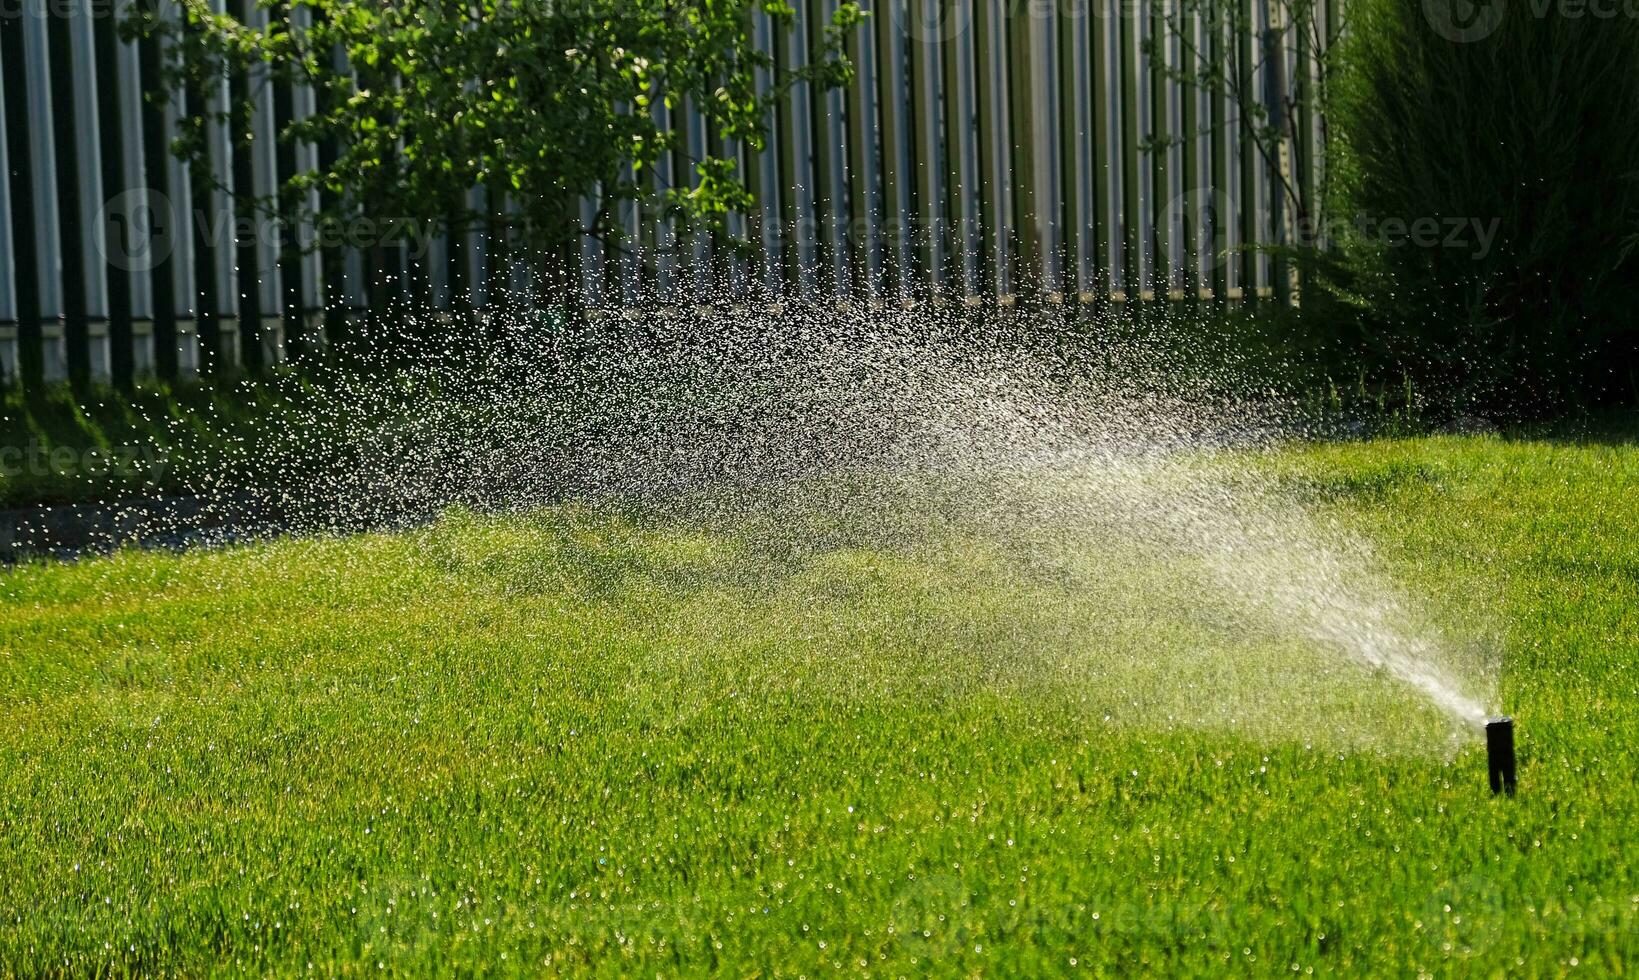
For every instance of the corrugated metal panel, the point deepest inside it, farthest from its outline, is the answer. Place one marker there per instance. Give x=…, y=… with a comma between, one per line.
x=978, y=134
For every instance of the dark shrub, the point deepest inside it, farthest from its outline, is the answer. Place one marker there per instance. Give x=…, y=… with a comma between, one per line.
x=1513, y=137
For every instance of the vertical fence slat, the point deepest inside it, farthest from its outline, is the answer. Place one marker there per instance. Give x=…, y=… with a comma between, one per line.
x=1308, y=157
x=1265, y=165
x=894, y=96
x=1184, y=173
x=694, y=150
x=437, y=260
x=926, y=71
x=304, y=105
x=1274, y=88
x=864, y=169
x=1220, y=210
x=738, y=223
x=1048, y=146
x=1024, y=64
x=352, y=292
x=177, y=344
x=801, y=224
x=1128, y=20
x=962, y=142
x=1076, y=74
x=1143, y=111
x=1191, y=170
x=521, y=276
x=355, y=284
x=831, y=167
x=478, y=250
x=1247, y=159
x=591, y=254
x=47, y=237
x=771, y=210
x=93, y=355
x=1036, y=115
x=119, y=115
x=1056, y=141
x=140, y=210
x=264, y=168
x=9, y=361
x=1160, y=135
x=218, y=228
x=659, y=239
x=23, y=333
x=1106, y=139
x=628, y=223
x=1229, y=106
x=997, y=209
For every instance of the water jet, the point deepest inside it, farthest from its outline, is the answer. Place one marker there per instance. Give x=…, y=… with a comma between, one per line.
x=1499, y=753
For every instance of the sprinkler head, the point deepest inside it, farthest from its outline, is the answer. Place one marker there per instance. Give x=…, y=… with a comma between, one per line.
x=1499, y=753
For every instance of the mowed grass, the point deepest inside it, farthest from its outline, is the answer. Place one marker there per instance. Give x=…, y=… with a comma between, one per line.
x=581, y=741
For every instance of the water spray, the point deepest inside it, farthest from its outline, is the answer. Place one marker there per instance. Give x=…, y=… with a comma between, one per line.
x=1499, y=752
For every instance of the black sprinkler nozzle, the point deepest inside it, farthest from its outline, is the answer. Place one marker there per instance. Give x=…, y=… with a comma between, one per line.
x=1499, y=752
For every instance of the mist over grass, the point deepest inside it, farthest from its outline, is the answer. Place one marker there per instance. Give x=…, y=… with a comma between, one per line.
x=597, y=739
x=764, y=643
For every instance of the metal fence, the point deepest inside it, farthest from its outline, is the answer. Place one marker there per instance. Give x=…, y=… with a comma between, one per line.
x=987, y=149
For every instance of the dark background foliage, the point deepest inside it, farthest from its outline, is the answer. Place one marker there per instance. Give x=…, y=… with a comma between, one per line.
x=1532, y=129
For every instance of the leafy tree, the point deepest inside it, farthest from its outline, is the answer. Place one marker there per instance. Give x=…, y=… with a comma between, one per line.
x=544, y=101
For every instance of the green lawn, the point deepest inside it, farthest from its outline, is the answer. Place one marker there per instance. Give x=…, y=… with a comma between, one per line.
x=580, y=740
